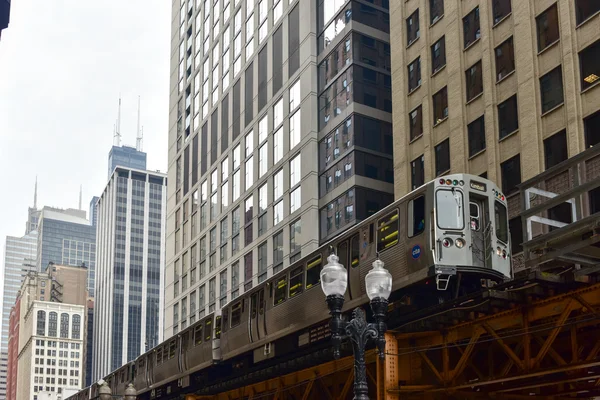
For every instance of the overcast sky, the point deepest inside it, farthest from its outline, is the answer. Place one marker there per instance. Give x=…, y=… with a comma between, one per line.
x=63, y=64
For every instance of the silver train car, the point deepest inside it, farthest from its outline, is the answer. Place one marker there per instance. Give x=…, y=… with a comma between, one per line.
x=447, y=238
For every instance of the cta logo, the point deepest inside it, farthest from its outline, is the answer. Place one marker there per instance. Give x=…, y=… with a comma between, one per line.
x=416, y=252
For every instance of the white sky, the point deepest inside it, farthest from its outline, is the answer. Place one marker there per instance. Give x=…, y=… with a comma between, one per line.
x=63, y=64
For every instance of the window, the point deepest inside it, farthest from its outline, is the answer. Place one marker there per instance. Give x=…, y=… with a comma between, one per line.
x=440, y=106
x=278, y=113
x=591, y=126
x=295, y=97
x=262, y=198
x=249, y=141
x=508, y=119
x=277, y=213
x=417, y=172
x=262, y=224
x=262, y=262
x=293, y=40
x=436, y=10
x=442, y=157
x=64, y=325
x=41, y=323
x=547, y=27
x=414, y=74
x=555, y=149
x=501, y=221
x=511, y=174
x=412, y=27
x=387, y=231
x=262, y=160
x=438, y=55
x=516, y=235
x=476, y=131
x=52, y=324
x=249, y=173
x=451, y=201
x=295, y=171
x=416, y=122
x=295, y=133
x=278, y=249
x=313, y=271
x=295, y=199
x=589, y=60
x=75, y=334
x=474, y=81
x=278, y=185
x=471, y=29
x=263, y=127
x=500, y=8
x=551, y=88
x=236, y=157
x=505, y=59
x=295, y=238
x=585, y=9
x=416, y=214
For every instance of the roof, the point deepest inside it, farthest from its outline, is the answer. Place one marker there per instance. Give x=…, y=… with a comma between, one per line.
x=63, y=216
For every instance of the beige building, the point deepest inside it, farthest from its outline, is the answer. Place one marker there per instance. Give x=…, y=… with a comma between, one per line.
x=502, y=88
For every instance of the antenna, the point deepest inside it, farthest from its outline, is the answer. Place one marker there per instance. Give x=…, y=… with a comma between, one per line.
x=117, y=133
x=140, y=135
x=80, y=191
x=35, y=194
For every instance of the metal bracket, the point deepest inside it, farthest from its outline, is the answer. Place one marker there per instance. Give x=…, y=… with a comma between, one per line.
x=443, y=273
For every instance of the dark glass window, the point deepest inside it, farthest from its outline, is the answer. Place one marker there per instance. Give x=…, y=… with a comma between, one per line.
x=262, y=79
x=278, y=248
x=508, y=119
x=589, y=60
x=214, y=133
x=248, y=271
x=417, y=215
x=249, y=94
x=442, y=157
x=52, y=324
x=236, y=114
x=471, y=29
x=412, y=27
x=500, y=8
x=64, y=325
x=440, y=106
x=476, y=136
x=591, y=126
x=417, y=169
x=586, y=8
x=277, y=60
x=224, y=124
x=339, y=58
x=505, y=59
x=195, y=150
x=294, y=41
x=511, y=174
x=551, y=88
x=516, y=235
x=474, y=81
x=547, y=27
x=186, y=170
x=416, y=122
x=555, y=149
x=414, y=74
x=436, y=10
x=594, y=197
x=76, y=327
x=438, y=54
x=41, y=323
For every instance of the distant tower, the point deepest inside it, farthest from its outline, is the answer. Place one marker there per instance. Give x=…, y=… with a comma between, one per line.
x=140, y=133
x=80, y=193
x=117, y=129
x=35, y=194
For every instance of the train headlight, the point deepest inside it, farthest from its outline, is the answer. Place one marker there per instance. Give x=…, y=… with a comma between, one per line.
x=447, y=242
x=498, y=251
x=460, y=243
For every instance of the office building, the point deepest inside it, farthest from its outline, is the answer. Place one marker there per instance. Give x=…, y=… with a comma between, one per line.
x=504, y=89
x=94, y=210
x=4, y=14
x=280, y=137
x=129, y=293
x=51, y=318
x=66, y=237
x=125, y=156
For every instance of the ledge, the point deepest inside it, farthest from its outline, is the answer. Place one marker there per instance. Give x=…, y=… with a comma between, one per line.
x=414, y=90
x=551, y=45
x=436, y=21
x=509, y=135
x=587, y=20
x=506, y=76
x=556, y=107
x=473, y=43
x=502, y=20
x=438, y=70
x=474, y=98
x=415, y=138
x=591, y=87
x=441, y=122
x=477, y=154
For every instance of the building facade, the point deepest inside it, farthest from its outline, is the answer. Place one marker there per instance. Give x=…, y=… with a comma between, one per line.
x=125, y=156
x=129, y=295
x=464, y=101
x=270, y=147
x=94, y=210
x=13, y=354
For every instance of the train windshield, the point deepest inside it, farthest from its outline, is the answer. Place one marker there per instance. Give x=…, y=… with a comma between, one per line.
x=450, y=209
x=501, y=217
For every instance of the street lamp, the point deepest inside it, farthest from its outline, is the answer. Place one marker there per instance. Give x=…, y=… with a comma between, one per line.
x=334, y=281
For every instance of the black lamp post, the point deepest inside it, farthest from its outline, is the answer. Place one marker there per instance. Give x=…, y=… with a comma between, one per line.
x=334, y=281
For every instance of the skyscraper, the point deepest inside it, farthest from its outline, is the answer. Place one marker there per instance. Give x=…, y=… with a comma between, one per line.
x=125, y=156
x=129, y=292
x=280, y=137
x=94, y=210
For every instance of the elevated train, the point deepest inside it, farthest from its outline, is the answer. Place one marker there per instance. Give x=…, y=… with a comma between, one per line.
x=447, y=238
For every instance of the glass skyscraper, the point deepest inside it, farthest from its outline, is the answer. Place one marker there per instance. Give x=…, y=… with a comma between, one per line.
x=131, y=258
x=125, y=156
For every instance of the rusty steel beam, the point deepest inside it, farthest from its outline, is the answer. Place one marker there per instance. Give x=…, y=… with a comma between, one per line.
x=347, y=385
x=553, y=334
x=431, y=366
x=308, y=389
x=507, y=350
x=546, y=384
x=462, y=362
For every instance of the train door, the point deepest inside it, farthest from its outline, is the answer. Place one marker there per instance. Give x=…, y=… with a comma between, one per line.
x=252, y=321
x=417, y=256
x=348, y=252
x=261, y=320
x=185, y=340
x=150, y=361
x=479, y=228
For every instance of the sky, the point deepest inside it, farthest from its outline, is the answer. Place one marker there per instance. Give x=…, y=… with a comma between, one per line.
x=63, y=65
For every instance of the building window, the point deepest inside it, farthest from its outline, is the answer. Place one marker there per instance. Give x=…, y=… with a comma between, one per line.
x=223, y=287
x=585, y=9
x=262, y=262
x=500, y=8
x=474, y=81
x=516, y=235
x=547, y=27
x=248, y=271
x=442, y=157
x=64, y=325
x=249, y=173
x=508, y=119
x=591, y=126
x=555, y=149
x=278, y=185
x=476, y=136
x=551, y=88
x=417, y=172
x=295, y=171
x=471, y=29
x=52, y=324
x=438, y=55
x=41, y=323
x=511, y=174
x=76, y=333
x=589, y=60
x=505, y=59
x=412, y=27
x=295, y=199
x=440, y=106
x=414, y=74
x=277, y=249
x=436, y=10
x=295, y=240
x=262, y=224
x=416, y=122
x=277, y=213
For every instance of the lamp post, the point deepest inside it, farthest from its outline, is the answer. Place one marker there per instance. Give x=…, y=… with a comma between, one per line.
x=334, y=281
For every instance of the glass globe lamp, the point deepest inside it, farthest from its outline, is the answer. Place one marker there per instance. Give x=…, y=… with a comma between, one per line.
x=334, y=277
x=378, y=281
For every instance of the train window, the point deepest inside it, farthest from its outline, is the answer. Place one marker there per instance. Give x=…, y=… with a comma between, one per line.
x=354, y=251
x=280, y=291
x=218, y=327
x=387, y=231
x=236, y=314
x=474, y=216
x=172, y=346
x=207, y=330
x=449, y=209
x=313, y=272
x=198, y=334
x=416, y=216
x=184, y=340
x=501, y=222
x=296, y=281
x=253, y=305
x=261, y=301
x=159, y=355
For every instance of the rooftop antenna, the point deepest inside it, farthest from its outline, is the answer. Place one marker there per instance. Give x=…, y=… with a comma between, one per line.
x=35, y=194
x=80, y=192
x=117, y=134
x=140, y=134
